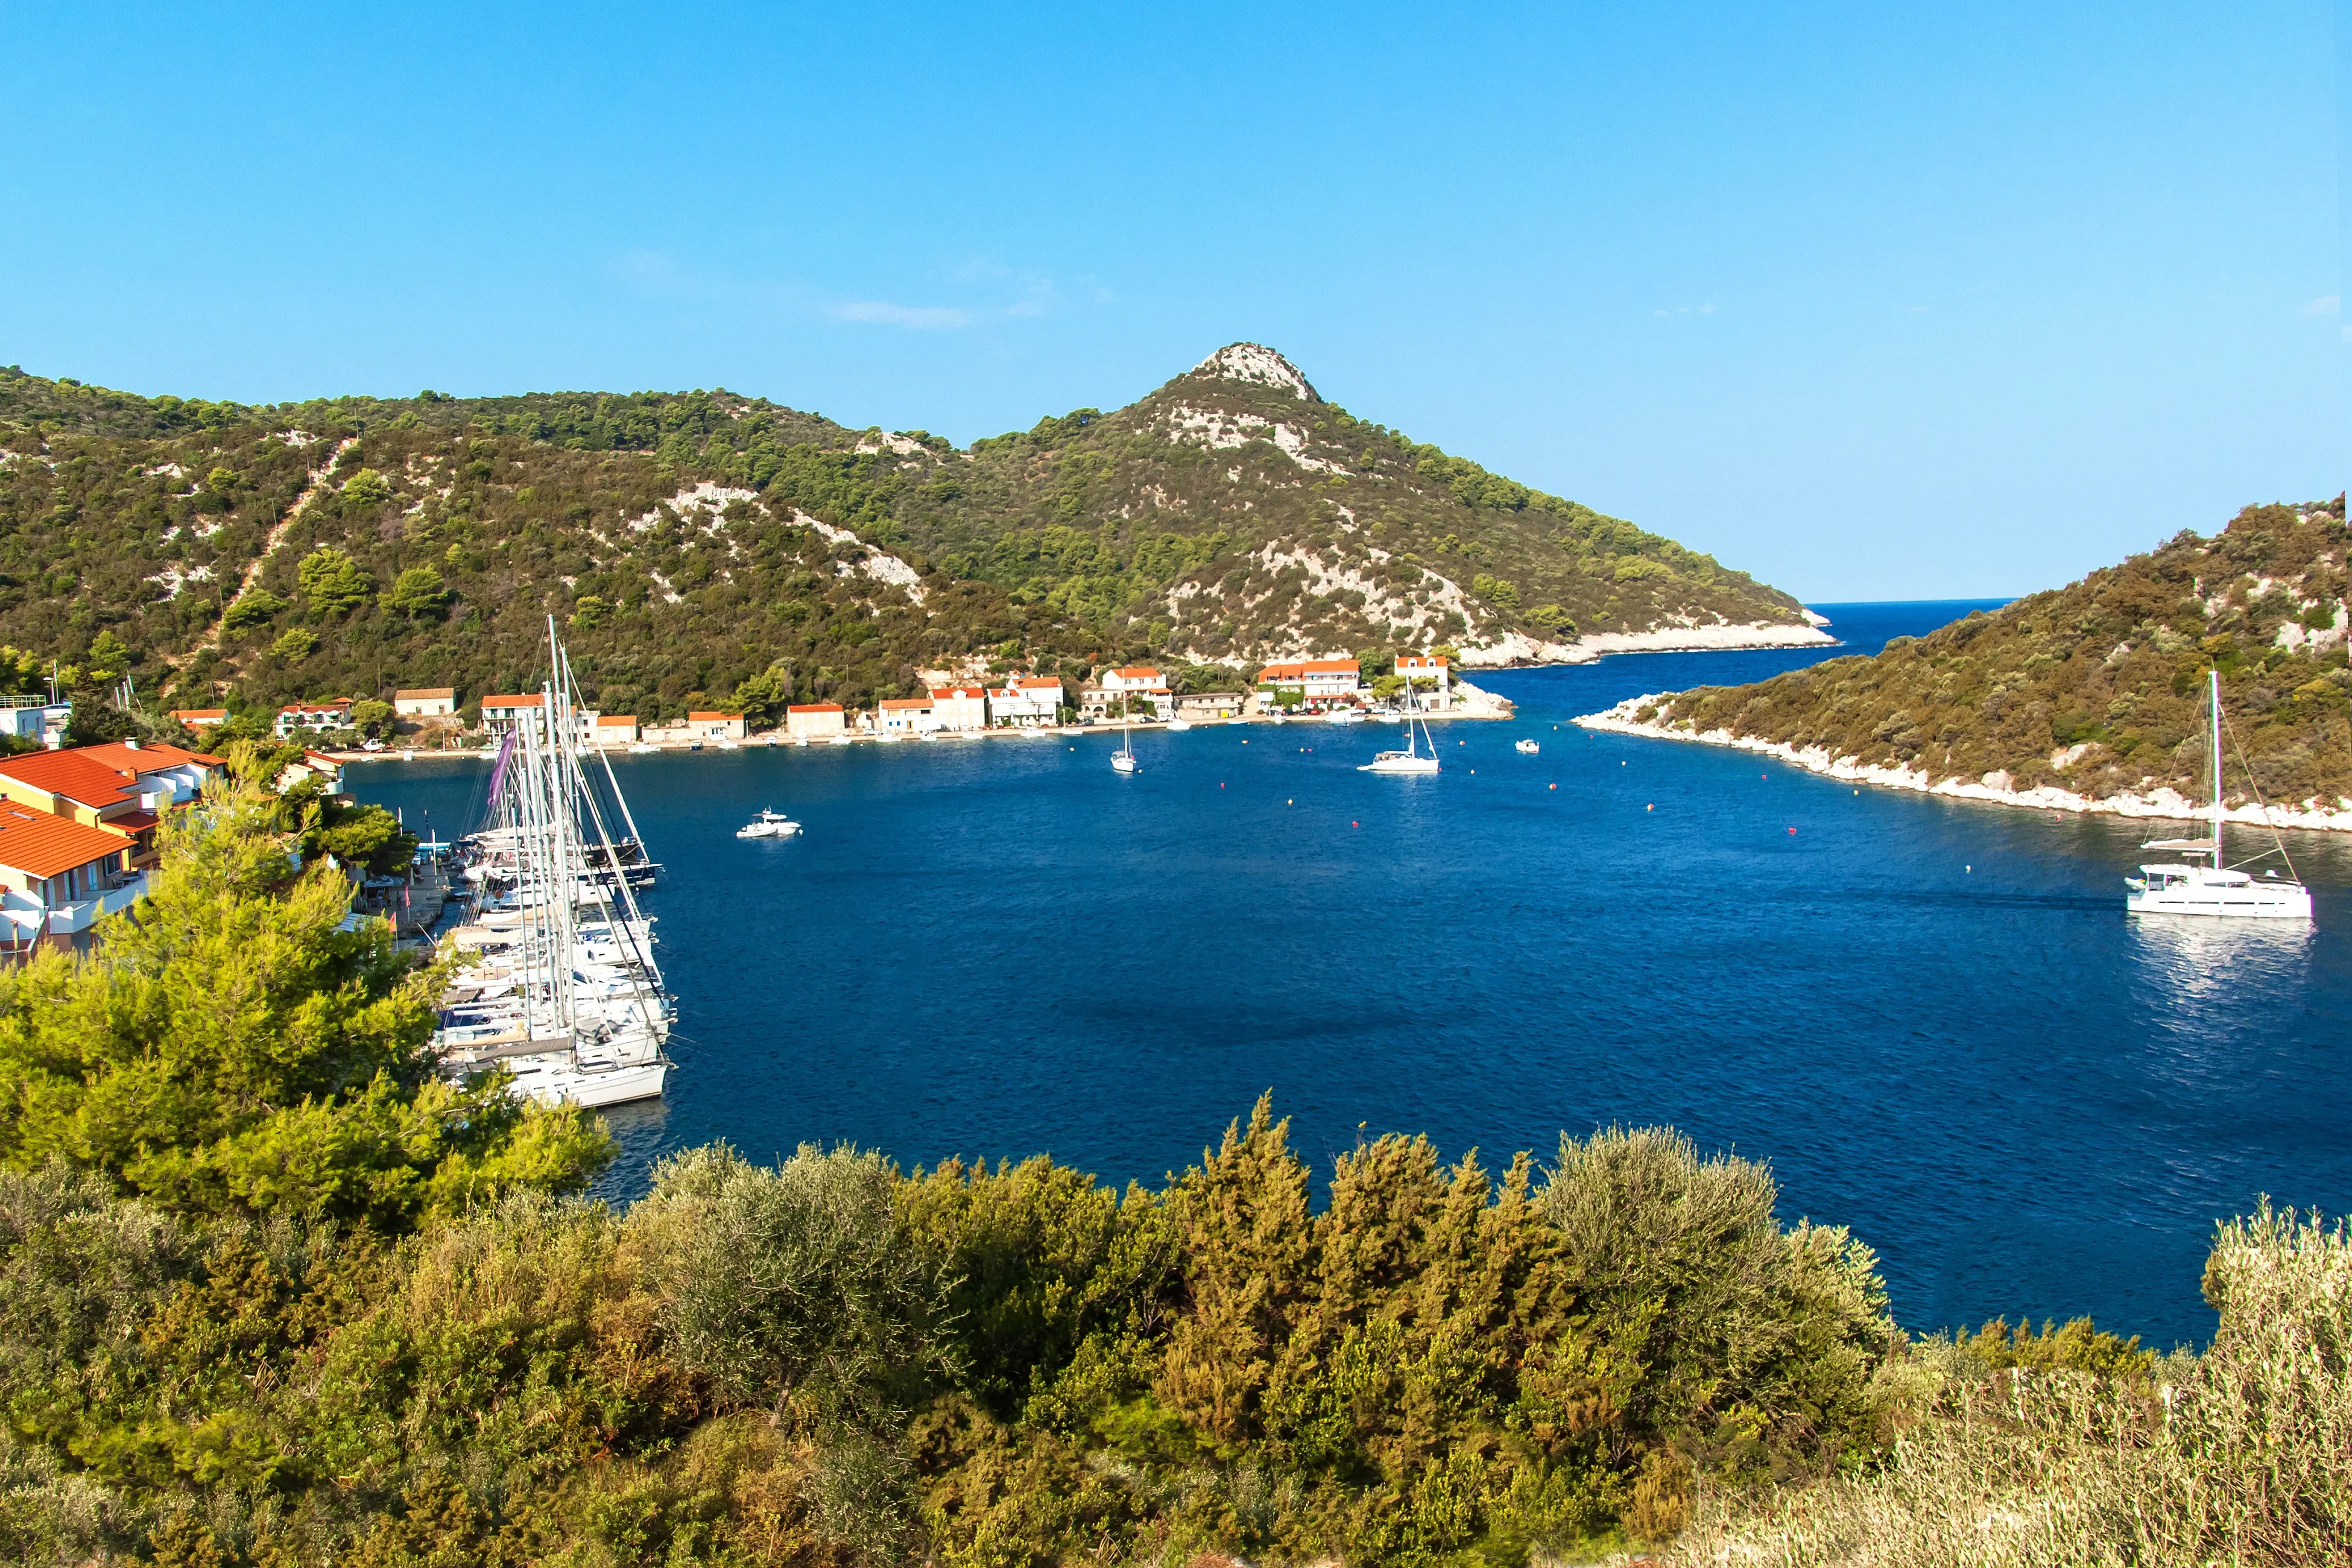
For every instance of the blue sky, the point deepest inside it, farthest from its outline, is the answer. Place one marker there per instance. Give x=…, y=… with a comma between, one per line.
x=1875, y=302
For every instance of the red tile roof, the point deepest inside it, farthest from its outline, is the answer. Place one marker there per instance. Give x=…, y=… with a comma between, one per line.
x=424, y=692
x=532, y=700
x=896, y=703
x=39, y=845
x=805, y=708
x=941, y=693
x=615, y=718
x=709, y=717
x=198, y=715
x=146, y=757
x=1038, y=682
x=73, y=774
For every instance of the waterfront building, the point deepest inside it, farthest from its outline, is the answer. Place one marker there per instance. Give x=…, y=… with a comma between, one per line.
x=500, y=713
x=1431, y=671
x=334, y=715
x=1320, y=682
x=903, y=716
x=310, y=766
x=716, y=726
x=1027, y=701
x=959, y=706
x=1136, y=685
x=815, y=720
x=614, y=730
x=1211, y=705
x=198, y=718
x=1094, y=704
x=426, y=702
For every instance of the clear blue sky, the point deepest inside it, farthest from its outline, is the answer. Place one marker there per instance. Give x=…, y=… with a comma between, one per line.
x=1960, y=301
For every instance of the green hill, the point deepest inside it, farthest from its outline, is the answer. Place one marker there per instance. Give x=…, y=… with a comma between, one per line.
x=2097, y=688
x=692, y=542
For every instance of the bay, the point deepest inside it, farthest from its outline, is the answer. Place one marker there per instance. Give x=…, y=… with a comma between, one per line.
x=1930, y=1017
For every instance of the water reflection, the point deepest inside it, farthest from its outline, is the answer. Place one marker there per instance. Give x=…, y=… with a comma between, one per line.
x=2195, y=965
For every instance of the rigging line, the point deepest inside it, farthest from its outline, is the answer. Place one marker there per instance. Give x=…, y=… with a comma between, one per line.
x=2278, y=845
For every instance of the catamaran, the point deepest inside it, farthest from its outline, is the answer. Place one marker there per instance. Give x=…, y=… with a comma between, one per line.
x=2215, y=888
x=567, y=994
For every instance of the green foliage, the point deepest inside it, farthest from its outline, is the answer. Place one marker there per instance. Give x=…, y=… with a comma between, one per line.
x=96, y=720
x=2115, y=665
x=367, y=487
x=764, y=698
x=417, y=593
x=310, y=1095
x=371, y=717
x=332, y=583
x=295, y=644
x=257, y=608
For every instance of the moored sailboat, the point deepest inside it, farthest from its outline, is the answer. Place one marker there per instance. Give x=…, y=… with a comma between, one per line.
x=2214, y=889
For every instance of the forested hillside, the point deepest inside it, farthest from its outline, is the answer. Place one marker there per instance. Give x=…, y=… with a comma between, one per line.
x=2099, y=686
x=704, y=546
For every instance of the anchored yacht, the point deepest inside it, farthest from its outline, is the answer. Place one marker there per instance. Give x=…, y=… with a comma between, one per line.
x=2214, y=888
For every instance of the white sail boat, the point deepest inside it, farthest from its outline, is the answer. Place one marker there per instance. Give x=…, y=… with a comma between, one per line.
x=568, y=995
x=1409, y=760
x=1123, y=760
x=2213, y=890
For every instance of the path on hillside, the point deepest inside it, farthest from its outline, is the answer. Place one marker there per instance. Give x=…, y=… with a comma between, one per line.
x=270, y=543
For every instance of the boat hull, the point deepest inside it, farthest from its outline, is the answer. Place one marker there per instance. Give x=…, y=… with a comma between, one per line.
x=2252, y=903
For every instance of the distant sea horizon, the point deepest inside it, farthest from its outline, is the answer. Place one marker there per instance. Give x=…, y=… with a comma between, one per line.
x=1931, y=1017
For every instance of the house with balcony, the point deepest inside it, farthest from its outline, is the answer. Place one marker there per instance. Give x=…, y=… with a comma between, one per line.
x=58, y=877
x=1025, y=703
x=500, y=713
x=334, y=715
x=1321, y=683
x=1141, y=689
x=1211, y=705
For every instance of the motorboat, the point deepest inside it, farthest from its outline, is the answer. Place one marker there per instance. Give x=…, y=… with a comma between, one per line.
x=641, y=749
x=1176, y=724
x=2202, y=883
x=1528, y=748
x=841, y=740
x=770, y=825
x=1343, y=716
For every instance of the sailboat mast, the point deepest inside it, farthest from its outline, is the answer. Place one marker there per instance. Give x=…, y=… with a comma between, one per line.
x=2214, y=676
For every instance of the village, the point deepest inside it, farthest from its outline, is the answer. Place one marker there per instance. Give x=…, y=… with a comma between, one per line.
x=438, y=721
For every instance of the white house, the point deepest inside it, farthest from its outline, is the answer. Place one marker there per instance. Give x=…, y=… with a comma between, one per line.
x=57, y=876
x=1028, y=701
x=1428, y=669
x=959, y=706
x=426, y=702
x=815, y=720
x=716, y=726
x=613, y=729
x=500, y=712
x=335, y=715
x=1135, y=683
x=903, y=716
x=1320, y=681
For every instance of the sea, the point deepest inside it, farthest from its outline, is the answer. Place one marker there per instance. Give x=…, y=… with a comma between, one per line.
x=1931, y=1017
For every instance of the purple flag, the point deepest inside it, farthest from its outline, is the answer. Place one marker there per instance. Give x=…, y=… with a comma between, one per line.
x=498, y=768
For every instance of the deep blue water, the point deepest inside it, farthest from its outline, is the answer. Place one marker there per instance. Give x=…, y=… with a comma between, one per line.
x=1931, y=1017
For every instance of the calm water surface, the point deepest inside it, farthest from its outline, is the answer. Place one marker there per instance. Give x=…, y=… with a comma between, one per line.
x=1931, y=1017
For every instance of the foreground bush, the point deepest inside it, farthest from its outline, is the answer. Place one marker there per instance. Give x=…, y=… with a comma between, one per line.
x=2241, y=1455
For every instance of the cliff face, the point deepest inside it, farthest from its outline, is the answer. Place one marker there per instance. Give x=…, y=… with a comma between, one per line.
x=693, y=542
x=2096, y=690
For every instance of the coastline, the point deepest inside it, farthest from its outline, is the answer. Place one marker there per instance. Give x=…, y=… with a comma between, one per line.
x=1518, y=651
x=1482, y=705
x=2166, y=804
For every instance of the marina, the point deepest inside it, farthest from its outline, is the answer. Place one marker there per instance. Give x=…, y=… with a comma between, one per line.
x=1931, y=1015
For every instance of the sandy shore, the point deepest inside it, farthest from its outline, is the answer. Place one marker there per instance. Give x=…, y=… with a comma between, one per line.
x=1993, y=788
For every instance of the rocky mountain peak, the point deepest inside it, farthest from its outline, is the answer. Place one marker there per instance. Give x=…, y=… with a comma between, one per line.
x=1257, y=364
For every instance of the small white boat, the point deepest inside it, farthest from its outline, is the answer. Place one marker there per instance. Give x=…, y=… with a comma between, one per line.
x=889, y=738
x=1123, y=760
x=407, y=757
x=1176, y=724
x=769, y=739
x=730, y=746
x=841, y=740
x=1343, y=716
x=641, y=749
x=2214, y=889
x=770, y=825
x=1528, y=748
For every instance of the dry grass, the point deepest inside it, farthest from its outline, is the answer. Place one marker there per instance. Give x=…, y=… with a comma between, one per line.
x=2243, y=1456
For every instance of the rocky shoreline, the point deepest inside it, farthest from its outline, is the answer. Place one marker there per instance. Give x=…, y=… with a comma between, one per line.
x=1994, y=788
x=1516, y=649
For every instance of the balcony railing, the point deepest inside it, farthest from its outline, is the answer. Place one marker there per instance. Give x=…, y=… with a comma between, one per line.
x=66, y=920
